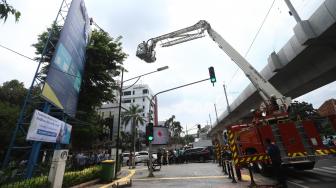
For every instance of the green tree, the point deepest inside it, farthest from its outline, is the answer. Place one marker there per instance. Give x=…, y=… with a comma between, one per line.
x=12, y=94
x=133, y=115
x=6, y=9
x=175, y=128
x=302, y=110
x=188, y=139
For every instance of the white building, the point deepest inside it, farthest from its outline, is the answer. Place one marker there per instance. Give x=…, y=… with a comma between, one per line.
x=140, y=95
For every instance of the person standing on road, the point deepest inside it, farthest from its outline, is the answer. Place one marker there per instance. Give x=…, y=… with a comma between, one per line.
x=274, y=153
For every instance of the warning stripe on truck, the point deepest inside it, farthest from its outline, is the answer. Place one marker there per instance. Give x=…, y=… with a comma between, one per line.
x=253, y=158
x=325, y=151
x=297, y=154
x=233, y=147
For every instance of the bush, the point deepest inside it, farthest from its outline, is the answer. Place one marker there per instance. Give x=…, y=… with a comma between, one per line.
x=36, y=182
x=69, y=179
x=78, y=177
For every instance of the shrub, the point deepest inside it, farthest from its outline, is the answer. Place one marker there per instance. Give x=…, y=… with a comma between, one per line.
x=70, y=179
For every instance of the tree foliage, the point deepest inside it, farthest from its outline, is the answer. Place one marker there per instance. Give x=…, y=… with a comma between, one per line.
x=104, y=61
x=12, y=94
x=302, y=110
x=6, y=9
x=133, y=115
x=176, y=129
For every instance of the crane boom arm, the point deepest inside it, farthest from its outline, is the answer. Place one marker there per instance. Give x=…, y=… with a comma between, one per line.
x=146, y=52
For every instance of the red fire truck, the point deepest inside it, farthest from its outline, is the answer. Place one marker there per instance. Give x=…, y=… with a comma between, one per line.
x=299, y=140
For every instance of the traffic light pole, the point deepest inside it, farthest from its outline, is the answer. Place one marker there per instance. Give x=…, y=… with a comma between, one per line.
x=150, y=103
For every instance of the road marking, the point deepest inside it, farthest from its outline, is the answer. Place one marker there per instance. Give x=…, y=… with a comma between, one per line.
x=324, y=170
x=323, y=174
x=329, y=168
x=180, y=178
x=299, y=185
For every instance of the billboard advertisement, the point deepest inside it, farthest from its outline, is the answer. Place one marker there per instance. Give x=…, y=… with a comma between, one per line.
x=65, y=74
x=46, y=128
x=161, y=135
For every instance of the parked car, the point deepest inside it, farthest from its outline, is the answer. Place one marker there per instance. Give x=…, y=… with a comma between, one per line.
x=196, y=154
x=140, y=157
x=125, y=158
x=143, y=156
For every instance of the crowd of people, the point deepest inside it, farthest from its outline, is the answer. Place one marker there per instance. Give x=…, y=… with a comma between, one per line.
x=81, y=160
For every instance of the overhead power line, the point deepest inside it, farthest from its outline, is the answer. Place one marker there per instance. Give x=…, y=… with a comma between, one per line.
x=255, y=37
x=17, y=53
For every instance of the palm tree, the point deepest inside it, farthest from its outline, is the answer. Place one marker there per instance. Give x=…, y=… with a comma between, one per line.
x=174, y=127
x=133, y=115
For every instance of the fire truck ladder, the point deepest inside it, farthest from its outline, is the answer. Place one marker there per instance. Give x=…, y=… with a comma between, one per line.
x=278, y=140
x=304, y=138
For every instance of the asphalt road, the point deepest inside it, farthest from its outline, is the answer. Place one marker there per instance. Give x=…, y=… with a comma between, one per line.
x=192, y=175
x=322, y=176
x=203, y=175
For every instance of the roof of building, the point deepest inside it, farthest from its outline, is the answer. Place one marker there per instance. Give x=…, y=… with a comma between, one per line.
x=328, y=108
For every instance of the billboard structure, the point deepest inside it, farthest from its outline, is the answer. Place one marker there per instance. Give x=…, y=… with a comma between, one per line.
x=62, y=85
x=161, y=135
x=46, y=128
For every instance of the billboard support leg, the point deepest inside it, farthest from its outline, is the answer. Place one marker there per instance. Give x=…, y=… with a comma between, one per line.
x=33, y=158
x=35, y=149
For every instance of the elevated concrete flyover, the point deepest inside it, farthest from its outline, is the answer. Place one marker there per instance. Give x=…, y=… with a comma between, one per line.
x=306, y=62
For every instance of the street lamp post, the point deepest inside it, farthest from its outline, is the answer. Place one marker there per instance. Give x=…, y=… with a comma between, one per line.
x=120, y=98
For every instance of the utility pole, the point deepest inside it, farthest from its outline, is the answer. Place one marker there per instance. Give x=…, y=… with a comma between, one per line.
x=216, y=112
x=210, y=121
x=227, y=101
x=186, y=129
x=292, y=11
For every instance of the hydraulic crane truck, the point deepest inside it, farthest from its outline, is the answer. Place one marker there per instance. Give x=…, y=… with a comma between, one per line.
x=299, y=141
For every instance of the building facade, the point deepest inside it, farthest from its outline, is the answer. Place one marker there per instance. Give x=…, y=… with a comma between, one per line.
x=139, y=95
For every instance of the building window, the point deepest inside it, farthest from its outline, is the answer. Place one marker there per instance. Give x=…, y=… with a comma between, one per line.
x=133, y=100
x=127, y=93
x=145, y=91
x=143, y=99
x=143, y=114
x=133, y=92
x=110, y=113
x=143, y=107
x=102, y=114
x=126, y=101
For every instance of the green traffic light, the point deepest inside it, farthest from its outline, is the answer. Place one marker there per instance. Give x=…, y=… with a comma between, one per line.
x=212, y=75
x=150, y=138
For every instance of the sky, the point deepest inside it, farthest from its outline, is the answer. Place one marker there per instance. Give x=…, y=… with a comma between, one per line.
x=237, y=21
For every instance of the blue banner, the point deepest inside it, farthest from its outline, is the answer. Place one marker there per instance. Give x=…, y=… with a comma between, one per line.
x=66, y=70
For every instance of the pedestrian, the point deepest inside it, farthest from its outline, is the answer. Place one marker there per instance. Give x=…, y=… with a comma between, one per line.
x=159, y=155
x=274, y=153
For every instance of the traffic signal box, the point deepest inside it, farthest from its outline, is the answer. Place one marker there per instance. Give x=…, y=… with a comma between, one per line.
x=149, y=132
x=212, y=75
